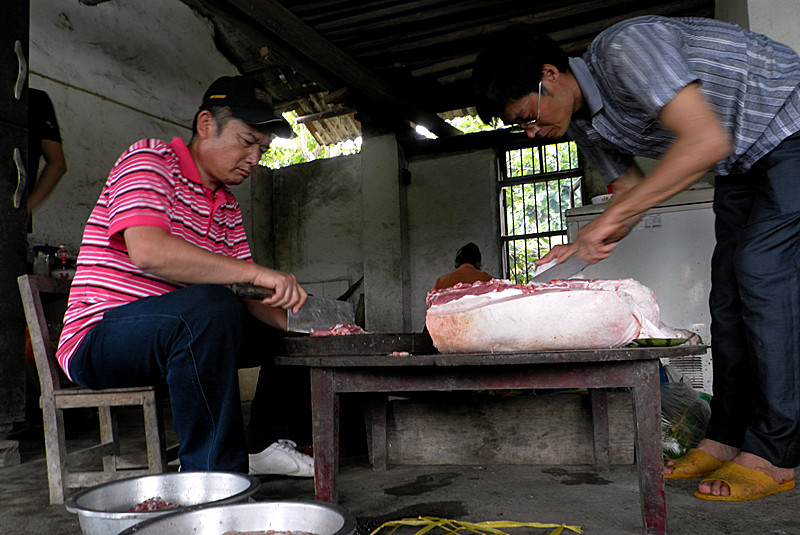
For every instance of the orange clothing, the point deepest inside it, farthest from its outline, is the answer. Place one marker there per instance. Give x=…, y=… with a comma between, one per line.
x=466, y=273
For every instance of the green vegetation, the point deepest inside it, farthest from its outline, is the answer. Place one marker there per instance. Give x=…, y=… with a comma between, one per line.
x=303, y=148
x=470, y=124
x=534, y=209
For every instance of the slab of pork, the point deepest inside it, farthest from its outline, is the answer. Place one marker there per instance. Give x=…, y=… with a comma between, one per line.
x=498, y=316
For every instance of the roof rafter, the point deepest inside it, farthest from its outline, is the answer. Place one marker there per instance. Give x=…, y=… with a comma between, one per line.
x=311, y=46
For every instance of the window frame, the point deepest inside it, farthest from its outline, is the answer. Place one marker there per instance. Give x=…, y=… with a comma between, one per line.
x=504, y=182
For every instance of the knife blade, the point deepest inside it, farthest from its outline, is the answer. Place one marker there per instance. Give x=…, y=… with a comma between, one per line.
x=317, y=313
x=563, y=270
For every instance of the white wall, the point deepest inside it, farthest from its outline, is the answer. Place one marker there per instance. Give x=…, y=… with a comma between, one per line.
x=383, y=230
x=116, y=73
x=777, y=19
x=343, y=218
x=316, y=224
x=453, y=200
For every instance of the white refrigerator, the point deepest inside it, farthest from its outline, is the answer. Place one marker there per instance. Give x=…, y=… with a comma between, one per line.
x=669, y=251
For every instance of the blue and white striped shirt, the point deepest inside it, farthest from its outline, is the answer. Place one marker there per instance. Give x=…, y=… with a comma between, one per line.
x=631, y=70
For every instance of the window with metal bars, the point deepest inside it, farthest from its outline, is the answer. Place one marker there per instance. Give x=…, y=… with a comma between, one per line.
x=537, y=185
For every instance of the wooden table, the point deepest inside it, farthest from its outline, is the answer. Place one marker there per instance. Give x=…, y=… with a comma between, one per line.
x=597, y=370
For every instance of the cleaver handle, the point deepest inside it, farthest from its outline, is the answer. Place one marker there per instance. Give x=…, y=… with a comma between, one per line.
x=250, y=291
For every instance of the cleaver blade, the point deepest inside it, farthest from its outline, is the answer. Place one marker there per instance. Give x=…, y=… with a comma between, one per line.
x=318, y=313
x=564, y=270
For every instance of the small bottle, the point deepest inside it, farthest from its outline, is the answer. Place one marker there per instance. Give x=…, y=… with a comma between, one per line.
x=62, y=255
x=41, y=264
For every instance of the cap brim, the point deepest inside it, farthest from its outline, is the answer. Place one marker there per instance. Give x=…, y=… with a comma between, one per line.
x=279, y=126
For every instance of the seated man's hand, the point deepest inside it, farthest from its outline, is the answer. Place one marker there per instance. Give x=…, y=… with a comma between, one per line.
x=288, y=294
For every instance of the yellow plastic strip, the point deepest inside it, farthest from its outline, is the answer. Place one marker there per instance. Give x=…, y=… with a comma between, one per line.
x=479, y=528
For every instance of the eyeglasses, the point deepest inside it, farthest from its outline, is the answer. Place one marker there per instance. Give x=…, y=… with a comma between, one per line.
x=526, y=124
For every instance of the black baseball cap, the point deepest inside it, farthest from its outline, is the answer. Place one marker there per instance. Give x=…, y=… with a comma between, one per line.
x=247, y=101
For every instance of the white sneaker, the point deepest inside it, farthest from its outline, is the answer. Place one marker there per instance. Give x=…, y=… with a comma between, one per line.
x=282, y=458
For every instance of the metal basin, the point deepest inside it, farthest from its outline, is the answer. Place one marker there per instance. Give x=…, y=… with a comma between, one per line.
x=312, y=517
x=105, y=509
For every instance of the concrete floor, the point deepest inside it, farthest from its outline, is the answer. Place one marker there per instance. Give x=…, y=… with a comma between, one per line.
x=601, y=504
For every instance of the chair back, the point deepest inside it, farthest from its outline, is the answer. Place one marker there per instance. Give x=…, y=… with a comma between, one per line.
x=45, y=298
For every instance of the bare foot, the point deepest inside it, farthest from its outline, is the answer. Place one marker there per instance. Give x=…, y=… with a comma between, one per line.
x=748, y=460
x=715, y=449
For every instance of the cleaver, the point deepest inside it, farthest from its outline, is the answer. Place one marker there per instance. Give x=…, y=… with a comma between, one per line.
x=317, y=312
x=563, y=270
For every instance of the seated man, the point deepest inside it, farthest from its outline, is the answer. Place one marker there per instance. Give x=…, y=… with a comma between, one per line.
x=468, y=265
x=149, y=305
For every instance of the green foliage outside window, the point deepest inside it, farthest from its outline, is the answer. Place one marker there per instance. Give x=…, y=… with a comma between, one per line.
x=546, y=182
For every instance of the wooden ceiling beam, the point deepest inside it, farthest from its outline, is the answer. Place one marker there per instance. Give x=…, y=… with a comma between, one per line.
x=392, y=16
x=325, y=115
x=409, y=41
x=357, y=10
x=312, y=47
x=434, y=68
x=593, y=28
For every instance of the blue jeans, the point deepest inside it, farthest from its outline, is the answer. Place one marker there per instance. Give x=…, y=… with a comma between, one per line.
x=194, y=340
x=755, y=308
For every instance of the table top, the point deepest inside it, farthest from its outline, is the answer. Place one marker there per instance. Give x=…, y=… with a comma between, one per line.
x=573, y=356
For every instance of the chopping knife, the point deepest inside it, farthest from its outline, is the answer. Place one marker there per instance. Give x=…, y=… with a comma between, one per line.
x=317, y=313
x=563, y=270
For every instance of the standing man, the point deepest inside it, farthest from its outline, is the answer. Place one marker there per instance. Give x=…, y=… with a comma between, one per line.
x=149, y=305
x=698, y=95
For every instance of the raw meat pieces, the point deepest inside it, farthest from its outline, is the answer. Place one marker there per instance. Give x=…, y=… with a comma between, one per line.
x=156, y=503
x=339, y=330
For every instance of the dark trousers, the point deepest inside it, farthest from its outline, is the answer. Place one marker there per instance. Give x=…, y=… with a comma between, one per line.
x=755, y=308
x=193, y=341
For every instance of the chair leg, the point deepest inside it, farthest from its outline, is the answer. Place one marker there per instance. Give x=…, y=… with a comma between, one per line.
x=154, y=435
x=108, y=433
x=55, y=443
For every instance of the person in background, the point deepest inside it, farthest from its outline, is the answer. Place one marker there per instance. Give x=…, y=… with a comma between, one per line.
x=149, y=303
x=44, y=140
x=468, y=265
x=698, y=95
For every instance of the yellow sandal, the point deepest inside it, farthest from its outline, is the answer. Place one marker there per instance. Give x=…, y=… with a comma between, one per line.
x=694, y=464
x=745, y=484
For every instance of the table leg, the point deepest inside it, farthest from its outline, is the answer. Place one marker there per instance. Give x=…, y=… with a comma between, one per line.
x=325, y=430
x=376, y=408
x=599, y=401
x=646, y=395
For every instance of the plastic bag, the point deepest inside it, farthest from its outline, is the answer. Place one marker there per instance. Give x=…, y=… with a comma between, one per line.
x=684, y=417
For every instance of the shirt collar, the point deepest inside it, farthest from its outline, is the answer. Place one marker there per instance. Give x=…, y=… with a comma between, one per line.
x=189, y=170
x=589, y=90
x=188, y=167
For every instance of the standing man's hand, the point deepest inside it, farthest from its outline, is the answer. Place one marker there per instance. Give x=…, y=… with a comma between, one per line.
x=595, y=242
x=598, y=238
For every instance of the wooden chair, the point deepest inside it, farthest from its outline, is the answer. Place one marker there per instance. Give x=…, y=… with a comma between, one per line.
x=41, y=295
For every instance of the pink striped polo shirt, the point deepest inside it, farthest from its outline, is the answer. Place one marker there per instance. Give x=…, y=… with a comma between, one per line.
x=155, y=184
